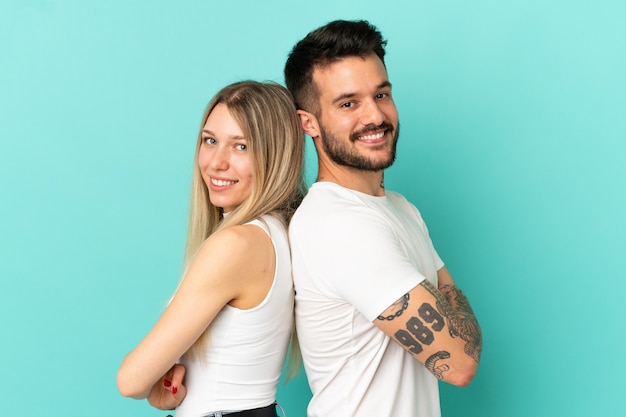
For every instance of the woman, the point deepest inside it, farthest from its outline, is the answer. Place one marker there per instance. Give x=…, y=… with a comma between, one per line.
x=227, y=328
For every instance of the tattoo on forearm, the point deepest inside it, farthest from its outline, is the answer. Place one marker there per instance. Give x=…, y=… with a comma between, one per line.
x=455, y=307
x=431, y=363
x=399, y=307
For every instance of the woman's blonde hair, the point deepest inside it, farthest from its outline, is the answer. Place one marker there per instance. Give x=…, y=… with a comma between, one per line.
x=267, y=117
x=266, y=114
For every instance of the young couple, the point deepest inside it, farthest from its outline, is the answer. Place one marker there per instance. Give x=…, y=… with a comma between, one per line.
x=380, y=320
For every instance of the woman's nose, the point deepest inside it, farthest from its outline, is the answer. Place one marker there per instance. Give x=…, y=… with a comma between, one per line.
x=219, y=159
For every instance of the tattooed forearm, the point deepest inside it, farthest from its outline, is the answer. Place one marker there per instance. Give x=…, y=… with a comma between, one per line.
x=454, y=306
x=397, y=308
x=431, y=364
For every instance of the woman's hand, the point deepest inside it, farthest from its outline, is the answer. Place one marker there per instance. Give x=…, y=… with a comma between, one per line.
x=168, y=392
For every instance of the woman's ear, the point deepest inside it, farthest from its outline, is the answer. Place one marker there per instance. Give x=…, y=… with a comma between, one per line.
x=309, y=123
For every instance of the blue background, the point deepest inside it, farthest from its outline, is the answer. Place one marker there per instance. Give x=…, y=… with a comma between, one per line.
x=513, y=145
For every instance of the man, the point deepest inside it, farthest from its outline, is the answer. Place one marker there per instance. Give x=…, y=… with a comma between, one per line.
x=379, y=317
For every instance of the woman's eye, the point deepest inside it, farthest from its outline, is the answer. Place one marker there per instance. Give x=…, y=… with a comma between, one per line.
x=242, y=147
x=209, y=140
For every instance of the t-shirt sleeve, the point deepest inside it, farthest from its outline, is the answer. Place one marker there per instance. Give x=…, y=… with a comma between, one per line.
x=418, y=216
x=364, y=264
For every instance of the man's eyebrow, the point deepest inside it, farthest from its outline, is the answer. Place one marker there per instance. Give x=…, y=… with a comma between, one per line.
x=345, y=96
x=342, y=97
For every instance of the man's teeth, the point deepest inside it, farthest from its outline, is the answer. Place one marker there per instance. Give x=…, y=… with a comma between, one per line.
x=221, y=183
x=373, y=136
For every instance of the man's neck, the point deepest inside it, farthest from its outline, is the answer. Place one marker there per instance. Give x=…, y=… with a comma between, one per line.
x=368, y=182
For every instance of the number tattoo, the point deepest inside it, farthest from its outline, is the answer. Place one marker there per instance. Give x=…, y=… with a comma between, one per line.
x=421, y=332
x=416, y=333
x=451, y=307
x=405, y=338
x=432, y=316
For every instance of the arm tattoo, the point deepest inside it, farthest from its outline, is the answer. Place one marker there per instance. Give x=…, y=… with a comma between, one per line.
x=399, y=307
x=431, y=364
x=454, y=306
x=419, y=331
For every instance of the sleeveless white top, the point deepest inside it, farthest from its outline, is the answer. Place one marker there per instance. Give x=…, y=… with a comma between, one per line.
x=246, y=348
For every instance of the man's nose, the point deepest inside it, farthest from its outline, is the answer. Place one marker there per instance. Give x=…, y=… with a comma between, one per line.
x=372, y=114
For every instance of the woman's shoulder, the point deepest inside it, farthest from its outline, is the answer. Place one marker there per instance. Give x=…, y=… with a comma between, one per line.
x=237, y=238
x=233, y=255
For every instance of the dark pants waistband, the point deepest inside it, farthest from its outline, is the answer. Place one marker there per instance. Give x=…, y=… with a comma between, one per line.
x=269, y=411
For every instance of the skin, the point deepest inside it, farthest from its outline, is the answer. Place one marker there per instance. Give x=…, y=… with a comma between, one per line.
x=435, y=325
x=438, y=328
x=355, y=96
x=224, y=161
x=234, y=266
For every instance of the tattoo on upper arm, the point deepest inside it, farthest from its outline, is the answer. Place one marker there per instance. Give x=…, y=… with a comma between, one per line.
x=417, y=332
x=431, y=363
x=400, y=305
x=462, y=322
x=452, y=306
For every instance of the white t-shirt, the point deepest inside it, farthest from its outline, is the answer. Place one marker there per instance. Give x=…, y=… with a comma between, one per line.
x=246, y=348
x=353, y=256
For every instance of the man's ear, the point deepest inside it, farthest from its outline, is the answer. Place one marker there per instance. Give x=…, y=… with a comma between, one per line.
x=309, y=123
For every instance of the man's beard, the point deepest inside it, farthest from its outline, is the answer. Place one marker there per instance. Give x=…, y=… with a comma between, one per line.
x=342, y=153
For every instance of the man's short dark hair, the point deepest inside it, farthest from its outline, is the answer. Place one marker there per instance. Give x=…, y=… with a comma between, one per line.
x=324, y=46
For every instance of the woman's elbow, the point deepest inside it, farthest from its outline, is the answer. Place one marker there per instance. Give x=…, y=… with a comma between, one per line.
x=128, y=386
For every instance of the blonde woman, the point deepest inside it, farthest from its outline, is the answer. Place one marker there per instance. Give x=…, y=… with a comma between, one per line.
x=220, y=344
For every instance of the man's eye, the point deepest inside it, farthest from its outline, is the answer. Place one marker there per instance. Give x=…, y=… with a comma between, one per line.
x=382, y=95
x=347, y=104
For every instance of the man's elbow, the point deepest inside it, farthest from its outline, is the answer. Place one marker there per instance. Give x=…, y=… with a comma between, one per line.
x=462, y=377
x=462, y=380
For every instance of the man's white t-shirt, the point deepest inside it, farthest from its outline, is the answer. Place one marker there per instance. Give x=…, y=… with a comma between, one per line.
x=353, y=256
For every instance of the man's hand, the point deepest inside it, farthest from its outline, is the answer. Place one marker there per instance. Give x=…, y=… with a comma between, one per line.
x=168, y=392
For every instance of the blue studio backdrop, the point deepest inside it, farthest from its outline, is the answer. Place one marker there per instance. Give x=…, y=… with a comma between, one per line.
x=513, y=147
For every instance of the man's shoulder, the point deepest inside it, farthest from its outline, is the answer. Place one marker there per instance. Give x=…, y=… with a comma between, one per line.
x=396, y=197
x=323, y=199
x=328, y=200
x=325, y=208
